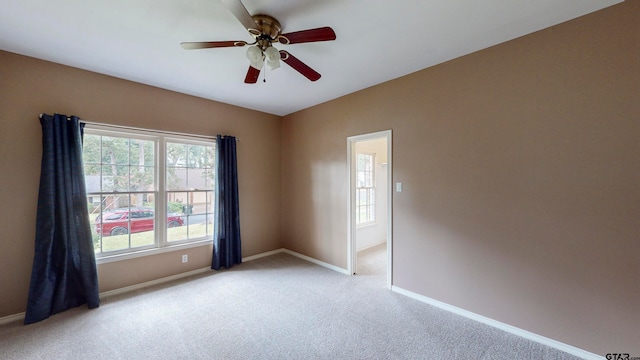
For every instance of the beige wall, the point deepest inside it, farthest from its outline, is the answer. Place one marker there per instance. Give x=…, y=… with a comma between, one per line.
x=29, y=87
x=521, y=174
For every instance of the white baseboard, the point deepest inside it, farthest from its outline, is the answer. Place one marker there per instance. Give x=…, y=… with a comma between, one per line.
x=20, y=316
x=179, y=276
x=145, y=284
x=583, y=354
x=261, y=255
x=11, y=318
x=317, y=262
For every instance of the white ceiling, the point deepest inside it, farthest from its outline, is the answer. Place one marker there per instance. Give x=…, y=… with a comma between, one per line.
x=377, y=40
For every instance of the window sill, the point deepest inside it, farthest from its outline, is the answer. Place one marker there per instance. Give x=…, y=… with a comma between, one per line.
x=149, y=252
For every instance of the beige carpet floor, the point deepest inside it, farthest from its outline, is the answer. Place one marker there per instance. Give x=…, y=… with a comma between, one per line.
x=277, y=307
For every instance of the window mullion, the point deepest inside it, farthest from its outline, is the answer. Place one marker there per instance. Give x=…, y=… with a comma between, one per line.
x=161, y=194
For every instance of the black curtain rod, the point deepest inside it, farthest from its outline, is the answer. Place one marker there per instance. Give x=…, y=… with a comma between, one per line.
x=40, y=116
x=122, y=127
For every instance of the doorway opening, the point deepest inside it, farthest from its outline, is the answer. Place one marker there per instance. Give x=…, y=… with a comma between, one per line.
x=369, y=223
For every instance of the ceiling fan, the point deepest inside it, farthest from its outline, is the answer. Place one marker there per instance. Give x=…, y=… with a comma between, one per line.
x=266, y=31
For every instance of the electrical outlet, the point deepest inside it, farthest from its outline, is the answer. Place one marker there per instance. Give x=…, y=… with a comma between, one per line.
x=185, y=258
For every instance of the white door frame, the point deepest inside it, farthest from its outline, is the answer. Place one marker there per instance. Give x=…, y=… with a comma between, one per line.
x=351, y=221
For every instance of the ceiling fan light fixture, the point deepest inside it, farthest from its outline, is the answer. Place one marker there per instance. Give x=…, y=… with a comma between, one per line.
x=273, y=64
x=255, y=56
x=258, y=65
x=273, y=57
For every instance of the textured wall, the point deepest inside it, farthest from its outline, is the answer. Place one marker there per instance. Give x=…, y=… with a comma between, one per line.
x=521, y=173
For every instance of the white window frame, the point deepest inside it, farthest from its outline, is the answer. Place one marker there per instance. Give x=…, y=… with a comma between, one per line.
x=160, y=140
x=187, y=141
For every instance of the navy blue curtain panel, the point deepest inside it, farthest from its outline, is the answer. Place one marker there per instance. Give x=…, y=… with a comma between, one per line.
x=226, y=228
x=64, y=271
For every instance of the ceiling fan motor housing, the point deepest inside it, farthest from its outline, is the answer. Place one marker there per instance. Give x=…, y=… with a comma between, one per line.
x=267, y=26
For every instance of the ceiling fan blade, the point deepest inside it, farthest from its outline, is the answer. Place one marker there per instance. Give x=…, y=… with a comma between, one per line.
x=319, y=34
x=211, y=44
x=252, y=75
x=299, y=66
x=241, y=13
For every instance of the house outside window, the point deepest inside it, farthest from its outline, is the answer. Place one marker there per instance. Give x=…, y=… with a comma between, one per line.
x=365, y=189
x=147, y=190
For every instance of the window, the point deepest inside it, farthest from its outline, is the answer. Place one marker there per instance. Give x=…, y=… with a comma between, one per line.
x=365, y=189
x=189, y=188
x=147, y=191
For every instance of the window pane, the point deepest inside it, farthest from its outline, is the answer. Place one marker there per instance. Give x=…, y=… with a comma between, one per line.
x=91, y=151
x=197, y=227
x=176, y=154
x=115, y=150
x=177, y=211
x=121, y=180
x=126, y=221
x=209, y=178
x=199, y=201
x=94, y=206
x=112, y=202
x=115, y=242
x=176, y=202
x=114, y=225
x=142, y=222
x=361, y=161
x=141, y=152
x=192, y=211
x=210, y=220
x=368, y=182
x=142, y=178
x=210, y=157
x=365, y=192
x=92, y=178
x=197, y=179
x=361, y=179
x=189, y=175
x=210, y=200
x=176, y=178
x=362, y=197
x=197, y=156
x=175, y=229
x=106, y=179
x=115, y=178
